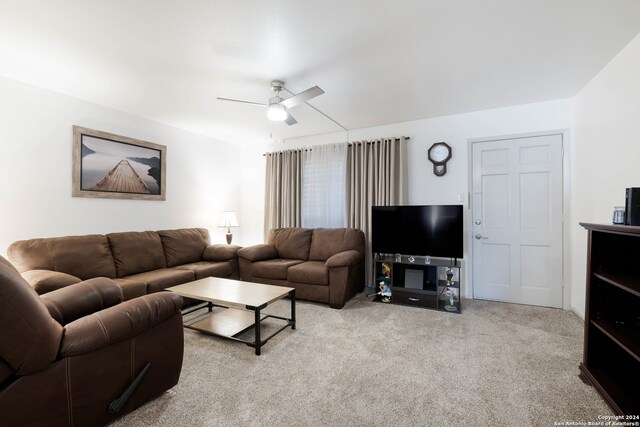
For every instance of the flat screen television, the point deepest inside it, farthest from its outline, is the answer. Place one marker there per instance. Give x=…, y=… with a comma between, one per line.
x=434, y=230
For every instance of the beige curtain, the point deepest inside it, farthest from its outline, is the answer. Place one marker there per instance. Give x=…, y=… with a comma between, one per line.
x=283, y=190
x=376, y=176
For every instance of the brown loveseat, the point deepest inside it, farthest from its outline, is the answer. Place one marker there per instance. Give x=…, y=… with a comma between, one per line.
x=139, y=262
x=323, y=264
x=67, y=357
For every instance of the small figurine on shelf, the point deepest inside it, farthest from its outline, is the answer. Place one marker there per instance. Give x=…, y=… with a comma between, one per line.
x=386, y=270
x=450, y=292
x=385, y=291
x=449, y=276
x=450, y=298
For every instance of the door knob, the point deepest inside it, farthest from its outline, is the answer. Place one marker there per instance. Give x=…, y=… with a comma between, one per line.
x=480, y=236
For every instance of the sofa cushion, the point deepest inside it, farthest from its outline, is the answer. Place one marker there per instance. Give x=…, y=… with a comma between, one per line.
x=184, y=245
x=131, y=288
x=273, y=268
x=159, y=280
x=330, y=241
x=136, y=252
x=204, y=269
x=291, y=243
x=81, y=256
x=313, y=272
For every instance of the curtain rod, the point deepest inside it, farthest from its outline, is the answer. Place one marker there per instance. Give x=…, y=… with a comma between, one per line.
x=309, y=149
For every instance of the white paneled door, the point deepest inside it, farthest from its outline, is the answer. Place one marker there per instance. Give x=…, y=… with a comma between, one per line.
x=517, y=220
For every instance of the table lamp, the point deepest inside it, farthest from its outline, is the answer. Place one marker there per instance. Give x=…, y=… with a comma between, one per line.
x=229, y=220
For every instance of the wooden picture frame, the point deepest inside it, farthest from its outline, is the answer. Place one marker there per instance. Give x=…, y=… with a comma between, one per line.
x=112, y=166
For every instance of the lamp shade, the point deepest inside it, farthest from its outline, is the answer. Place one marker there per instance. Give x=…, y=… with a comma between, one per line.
x=229, y=219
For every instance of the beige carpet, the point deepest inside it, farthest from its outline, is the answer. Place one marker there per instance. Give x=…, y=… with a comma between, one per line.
x=375, y=364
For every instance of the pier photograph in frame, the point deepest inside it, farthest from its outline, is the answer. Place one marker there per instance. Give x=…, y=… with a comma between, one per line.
x=117, y=167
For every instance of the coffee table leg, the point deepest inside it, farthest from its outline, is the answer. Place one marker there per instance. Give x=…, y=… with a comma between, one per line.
x=257, y=330
x=292, y=295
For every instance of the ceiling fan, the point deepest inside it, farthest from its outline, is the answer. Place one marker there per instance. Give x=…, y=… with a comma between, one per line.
x=278, y=107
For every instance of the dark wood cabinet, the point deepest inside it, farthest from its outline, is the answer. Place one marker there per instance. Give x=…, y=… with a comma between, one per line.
x=611, y=359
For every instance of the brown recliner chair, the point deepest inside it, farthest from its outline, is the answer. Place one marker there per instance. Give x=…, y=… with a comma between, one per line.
x=79, y=356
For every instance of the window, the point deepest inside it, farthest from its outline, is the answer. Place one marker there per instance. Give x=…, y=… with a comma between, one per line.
x=323, y=186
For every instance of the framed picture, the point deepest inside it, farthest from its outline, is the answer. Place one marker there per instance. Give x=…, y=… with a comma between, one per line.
x=117, y=167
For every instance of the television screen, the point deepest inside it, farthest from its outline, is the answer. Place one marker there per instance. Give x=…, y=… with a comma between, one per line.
x=434, y=230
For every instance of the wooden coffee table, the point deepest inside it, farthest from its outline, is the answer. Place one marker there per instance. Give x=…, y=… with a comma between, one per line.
x=241, y=304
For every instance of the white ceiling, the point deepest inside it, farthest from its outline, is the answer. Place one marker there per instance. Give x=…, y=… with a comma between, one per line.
x=379, y=61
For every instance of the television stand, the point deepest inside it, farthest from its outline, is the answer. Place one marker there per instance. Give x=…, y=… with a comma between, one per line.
x=418, y=281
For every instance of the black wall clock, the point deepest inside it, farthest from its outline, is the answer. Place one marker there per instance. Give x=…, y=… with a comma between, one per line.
x=439, y=154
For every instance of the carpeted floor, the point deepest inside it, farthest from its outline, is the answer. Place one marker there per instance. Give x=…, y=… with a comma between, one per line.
x=375, y=364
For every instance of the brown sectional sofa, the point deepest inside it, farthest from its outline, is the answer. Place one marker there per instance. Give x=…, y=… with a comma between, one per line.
x=324, y=264
x=139, y=262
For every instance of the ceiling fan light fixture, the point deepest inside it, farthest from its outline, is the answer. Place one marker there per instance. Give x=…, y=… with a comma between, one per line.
x=276, y=112
x=278, y=108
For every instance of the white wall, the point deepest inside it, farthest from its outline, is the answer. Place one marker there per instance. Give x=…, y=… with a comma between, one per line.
x=424, y=186
x=606, y=152
x=35, y=171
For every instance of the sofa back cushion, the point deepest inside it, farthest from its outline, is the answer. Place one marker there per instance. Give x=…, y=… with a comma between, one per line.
x=81, y=256
x=185, y=245
x=136, y=252
x=330, y=241
x=291, y=243
x=29, y=337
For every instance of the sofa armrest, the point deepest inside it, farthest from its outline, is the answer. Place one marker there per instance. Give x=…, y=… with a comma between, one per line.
x=220, y=252
x=118, y=323
x=258, y=252
x=81, y=299
x=343, y=259
x=44, y=281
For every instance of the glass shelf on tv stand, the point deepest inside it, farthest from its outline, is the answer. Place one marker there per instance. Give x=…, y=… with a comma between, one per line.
x=417, y=260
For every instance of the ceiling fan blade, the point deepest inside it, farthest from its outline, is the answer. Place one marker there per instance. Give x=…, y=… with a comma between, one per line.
x=302, y=97
x=244, y=102
x=290, y=120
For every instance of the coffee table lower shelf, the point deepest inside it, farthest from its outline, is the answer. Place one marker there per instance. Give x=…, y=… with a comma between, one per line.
x=241, y=304
x=229, y=322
